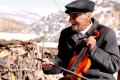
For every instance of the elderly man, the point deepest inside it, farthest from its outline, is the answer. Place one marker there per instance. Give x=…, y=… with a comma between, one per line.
x=79, y=39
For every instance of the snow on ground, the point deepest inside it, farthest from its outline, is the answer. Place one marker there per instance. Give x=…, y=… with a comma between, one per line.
x=17, y=36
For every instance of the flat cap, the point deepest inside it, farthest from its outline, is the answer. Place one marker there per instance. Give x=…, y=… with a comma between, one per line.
x=80, y=6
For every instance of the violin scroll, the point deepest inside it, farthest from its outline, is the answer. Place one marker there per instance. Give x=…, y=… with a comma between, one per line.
x=96, y=33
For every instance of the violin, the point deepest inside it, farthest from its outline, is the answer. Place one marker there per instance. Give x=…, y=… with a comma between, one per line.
x=84, y=62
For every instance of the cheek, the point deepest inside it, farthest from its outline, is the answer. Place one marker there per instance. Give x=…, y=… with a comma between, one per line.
x=81, y=21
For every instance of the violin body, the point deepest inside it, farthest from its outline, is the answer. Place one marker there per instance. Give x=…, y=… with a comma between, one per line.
x=82, y=67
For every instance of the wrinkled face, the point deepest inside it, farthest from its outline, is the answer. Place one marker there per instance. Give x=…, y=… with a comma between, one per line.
x=80, y=21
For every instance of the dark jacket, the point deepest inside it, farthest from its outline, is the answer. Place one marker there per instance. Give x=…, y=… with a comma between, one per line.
x=105, y=58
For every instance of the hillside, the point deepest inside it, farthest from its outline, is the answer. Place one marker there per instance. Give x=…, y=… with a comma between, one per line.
x=9, y=25
x=48, y=28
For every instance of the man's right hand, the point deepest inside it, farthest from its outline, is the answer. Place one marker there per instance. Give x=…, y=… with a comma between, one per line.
x=47, y=64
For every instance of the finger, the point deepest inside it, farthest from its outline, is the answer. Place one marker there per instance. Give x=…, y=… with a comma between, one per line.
x=51, y=63
x=85, y=39
x=47, y=67
x=45, y=60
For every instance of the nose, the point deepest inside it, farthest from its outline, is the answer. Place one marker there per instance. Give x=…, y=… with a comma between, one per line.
x=71, y=20
x=71, y=17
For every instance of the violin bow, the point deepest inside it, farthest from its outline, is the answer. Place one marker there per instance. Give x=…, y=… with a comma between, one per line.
x=71, y=72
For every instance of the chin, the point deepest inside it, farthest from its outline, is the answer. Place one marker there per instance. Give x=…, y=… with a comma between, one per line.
x=76, y=28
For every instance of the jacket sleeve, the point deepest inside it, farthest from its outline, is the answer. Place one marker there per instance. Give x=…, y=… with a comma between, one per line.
x=109, y=56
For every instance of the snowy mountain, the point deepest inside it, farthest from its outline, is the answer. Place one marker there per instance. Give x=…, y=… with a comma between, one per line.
x=25, y=17
x=48, y=27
